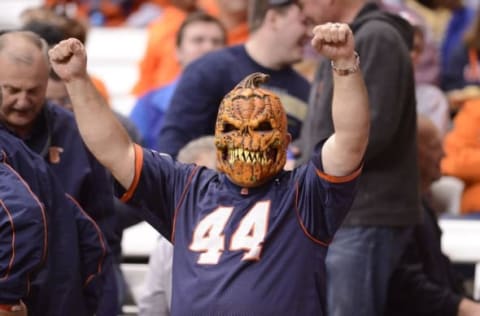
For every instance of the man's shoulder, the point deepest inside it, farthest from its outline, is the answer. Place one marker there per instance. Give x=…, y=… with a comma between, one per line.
x=219, y=59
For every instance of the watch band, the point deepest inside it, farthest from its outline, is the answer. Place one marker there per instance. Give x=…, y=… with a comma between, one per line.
x=347, y=71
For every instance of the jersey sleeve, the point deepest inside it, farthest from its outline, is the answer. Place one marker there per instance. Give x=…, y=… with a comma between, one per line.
x=323, y=200
x=23, y=236
x=158, y=185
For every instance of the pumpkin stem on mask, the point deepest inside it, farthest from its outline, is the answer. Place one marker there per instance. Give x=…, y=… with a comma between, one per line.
x=253, y=81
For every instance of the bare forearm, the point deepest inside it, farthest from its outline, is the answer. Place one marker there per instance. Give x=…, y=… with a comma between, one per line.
x=468, y=308
x=351, y=113
x=351, y=120
x=344, y=150
x=101, y=131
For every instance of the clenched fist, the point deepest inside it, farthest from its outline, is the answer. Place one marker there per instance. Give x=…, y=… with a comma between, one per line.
x=69, y=59
x=335, y=41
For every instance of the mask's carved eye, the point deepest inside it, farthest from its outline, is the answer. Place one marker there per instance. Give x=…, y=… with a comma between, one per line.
x=227, y=128
x=264, y=127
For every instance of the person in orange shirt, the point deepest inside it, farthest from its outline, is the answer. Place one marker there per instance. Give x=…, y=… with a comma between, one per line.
x=462, y=155
x=159, y=66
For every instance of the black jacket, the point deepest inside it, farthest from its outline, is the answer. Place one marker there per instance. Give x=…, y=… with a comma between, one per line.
x=424, y=283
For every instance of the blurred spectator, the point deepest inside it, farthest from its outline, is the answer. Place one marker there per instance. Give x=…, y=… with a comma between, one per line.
x=104, y=12
x=22, y=219
x=68, y=274
x=462, y=155
x=51, y=131
x=233, y=15
x=435, y=15
x=431, y=101
x=157, y=291
x=158, y=66
x=427, y=64
x=461, y=19
x=424, y=283
x=364, y=251
x=461, y=75
x=199, y=34
x=71, y=27
x=278, y=33
x=125, y=215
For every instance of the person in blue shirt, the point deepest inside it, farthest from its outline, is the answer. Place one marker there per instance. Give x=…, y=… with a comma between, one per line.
x=52, y=254
x=278, y=34
x=199, y=34
x=252, y=238
x=50, y=130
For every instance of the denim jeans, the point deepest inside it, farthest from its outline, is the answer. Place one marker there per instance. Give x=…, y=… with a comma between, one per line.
x=359, y=263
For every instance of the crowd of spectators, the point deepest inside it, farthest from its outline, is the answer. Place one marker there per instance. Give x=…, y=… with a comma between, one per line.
x=420, y=60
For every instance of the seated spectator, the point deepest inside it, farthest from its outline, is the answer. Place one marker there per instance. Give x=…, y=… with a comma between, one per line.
x=278, y=33
x=157, y=291
x=431, y=101
x=424, y=283
x=199, y=34
x=427, y=68
x=103, y=12
x=50, y=131
x=460, y=21
x=69, y=270
x=461, y=73
x=158, y=66
x=462, y=155
x=22, y=220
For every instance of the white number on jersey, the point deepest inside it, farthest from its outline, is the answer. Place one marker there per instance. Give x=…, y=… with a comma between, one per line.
x=209, y=238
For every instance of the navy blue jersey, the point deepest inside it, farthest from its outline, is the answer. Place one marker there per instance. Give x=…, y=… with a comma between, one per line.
x=237, y=251
x=71, y=276
x=57, y=139
x=22, y=219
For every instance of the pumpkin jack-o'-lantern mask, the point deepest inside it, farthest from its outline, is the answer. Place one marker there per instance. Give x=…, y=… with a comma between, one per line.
x=251, y=133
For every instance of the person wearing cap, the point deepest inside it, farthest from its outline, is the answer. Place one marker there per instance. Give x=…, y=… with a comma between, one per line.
x=278, y=33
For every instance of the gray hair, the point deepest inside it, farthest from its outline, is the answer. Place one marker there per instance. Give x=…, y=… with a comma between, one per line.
x=197, y=148
x=11, y=37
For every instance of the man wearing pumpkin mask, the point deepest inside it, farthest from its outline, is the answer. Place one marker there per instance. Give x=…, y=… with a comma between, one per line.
x=251, y=239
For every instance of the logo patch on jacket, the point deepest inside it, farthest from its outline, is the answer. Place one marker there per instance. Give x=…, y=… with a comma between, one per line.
x=54, y=154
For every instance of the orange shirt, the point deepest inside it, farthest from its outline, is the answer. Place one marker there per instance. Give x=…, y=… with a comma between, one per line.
x=462, y=154
x=238, y=35
x=159, y=65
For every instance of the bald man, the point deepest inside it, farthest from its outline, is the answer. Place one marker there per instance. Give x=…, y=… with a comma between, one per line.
x=51, y=131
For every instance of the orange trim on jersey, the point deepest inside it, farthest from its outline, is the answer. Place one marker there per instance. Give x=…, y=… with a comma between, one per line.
x=12, y=226
x=136, y=178
x=299, y=218
x=42, y=208
x=100, y=238
x=335, y=179
x=473, y=61
x=184, y=193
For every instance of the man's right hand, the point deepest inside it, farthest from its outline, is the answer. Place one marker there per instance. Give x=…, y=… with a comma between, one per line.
x=69, y=59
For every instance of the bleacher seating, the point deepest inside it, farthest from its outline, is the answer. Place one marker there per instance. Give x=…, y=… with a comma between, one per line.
x=113, y=56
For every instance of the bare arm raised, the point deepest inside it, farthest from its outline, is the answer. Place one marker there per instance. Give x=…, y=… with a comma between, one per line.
x=344, y=150
x=102, y=133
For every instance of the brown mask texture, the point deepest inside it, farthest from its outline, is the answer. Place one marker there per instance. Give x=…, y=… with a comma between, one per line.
x=251, y=133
